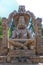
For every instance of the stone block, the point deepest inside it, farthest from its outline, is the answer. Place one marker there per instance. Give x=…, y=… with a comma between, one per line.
x=3, y=59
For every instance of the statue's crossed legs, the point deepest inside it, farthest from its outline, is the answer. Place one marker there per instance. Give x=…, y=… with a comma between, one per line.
x=29, y=44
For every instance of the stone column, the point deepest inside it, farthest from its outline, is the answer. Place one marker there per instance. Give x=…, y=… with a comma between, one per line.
x=38, y=34
x=0, y=42
x=5, y=32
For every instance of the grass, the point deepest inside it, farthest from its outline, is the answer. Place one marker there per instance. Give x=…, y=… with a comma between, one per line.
x=42, y=36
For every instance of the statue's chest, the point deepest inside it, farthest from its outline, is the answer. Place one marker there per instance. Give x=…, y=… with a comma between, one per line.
x=22, y=33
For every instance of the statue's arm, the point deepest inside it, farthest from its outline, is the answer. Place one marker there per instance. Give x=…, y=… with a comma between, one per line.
x=14, y=35
x=29, y=35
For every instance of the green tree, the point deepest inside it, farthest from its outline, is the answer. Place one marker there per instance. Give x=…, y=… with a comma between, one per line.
x=42, y=31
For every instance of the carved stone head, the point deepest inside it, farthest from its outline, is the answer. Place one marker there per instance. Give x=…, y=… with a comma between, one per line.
x=21, y=23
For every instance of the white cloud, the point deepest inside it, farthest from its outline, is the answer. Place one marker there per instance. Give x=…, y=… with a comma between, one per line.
x=36, y=6
x=42, y=22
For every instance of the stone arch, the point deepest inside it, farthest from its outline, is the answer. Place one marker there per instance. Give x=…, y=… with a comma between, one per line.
x=32, y=16
x=14, y=13
x=11, y=15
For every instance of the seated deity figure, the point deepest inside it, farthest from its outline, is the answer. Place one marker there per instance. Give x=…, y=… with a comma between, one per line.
x=21, y=31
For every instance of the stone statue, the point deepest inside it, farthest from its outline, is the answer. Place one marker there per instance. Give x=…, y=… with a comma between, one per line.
x=21, y=31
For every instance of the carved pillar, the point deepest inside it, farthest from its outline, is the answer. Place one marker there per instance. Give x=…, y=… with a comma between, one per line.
x=5, y=32
x=38, y=34
x=0, y=42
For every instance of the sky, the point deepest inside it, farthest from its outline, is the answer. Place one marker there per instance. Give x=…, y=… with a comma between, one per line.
x=35, y=6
